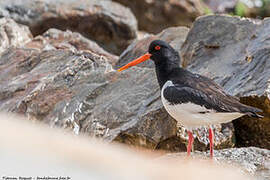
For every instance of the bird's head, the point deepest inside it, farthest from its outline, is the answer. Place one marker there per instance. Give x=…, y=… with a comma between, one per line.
x=160, y=52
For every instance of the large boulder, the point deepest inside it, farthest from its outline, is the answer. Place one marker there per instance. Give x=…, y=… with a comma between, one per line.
x=13, y=34
x=235, y=53
x=252, y=160
x=111, y=25
x=154, y=16
x=67, y=81
x=57, y=81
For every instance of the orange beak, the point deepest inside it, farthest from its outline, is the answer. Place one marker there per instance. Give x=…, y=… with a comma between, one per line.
x=135, y=62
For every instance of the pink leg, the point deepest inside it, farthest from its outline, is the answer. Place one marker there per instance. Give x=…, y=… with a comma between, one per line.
x=211, y=138
x=190, y=142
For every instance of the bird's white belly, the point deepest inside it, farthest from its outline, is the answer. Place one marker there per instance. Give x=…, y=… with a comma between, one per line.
x=190, y=115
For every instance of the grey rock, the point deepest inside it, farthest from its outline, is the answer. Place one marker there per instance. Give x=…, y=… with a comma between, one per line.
x=235, y=53
x=154, y=16
x=13, y=34
x=252, y=160
x=111, y=25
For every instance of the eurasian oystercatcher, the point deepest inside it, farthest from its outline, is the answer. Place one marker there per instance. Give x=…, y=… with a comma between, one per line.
x=192, y=100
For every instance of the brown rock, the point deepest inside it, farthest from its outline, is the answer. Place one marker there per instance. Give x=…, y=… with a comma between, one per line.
x=79, y=92
x=67, y=40
x=67, y=81
x=111, y=25
x=154, y=16
x=235, y=53
x=13, y=34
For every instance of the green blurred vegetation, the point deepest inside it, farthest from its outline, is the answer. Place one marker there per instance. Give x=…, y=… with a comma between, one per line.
x=248, y=8
x=241, y=9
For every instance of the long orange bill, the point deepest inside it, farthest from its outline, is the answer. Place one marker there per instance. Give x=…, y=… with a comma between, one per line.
x=135, y=62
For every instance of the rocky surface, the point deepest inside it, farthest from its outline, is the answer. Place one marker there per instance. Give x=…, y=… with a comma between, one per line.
x=111, y=25
x=235, y=53
x=252, y=160
x=64, y=80
x=66, y=40
x=154, y=16
x=68, y=81
x=13, y=34
x=79, y=92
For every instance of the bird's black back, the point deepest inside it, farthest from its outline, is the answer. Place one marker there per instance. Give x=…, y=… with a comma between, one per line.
x=189, y=87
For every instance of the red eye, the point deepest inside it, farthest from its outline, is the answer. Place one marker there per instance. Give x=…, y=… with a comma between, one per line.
x=157, y=48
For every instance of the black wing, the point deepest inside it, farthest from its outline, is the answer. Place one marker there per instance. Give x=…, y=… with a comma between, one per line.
x=177, y=95
x=189, y=87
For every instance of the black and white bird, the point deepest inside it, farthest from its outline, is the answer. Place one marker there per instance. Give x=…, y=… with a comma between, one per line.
x=191, y=99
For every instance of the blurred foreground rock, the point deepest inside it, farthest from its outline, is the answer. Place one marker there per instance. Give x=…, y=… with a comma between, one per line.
x=154, y=16
x=253, y=160
x=111, y=25
x=38, y=152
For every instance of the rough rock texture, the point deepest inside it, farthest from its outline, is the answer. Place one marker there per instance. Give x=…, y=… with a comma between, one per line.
x=67, y=40
x=252, y=160
x=13, y=34
x=67, y=81
x=154, y=16
x=111, y=25
x=235, y=53
x=80, y=92
x=174, y=35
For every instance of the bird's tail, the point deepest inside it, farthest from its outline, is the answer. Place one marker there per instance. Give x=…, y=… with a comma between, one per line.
x=252, y=112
